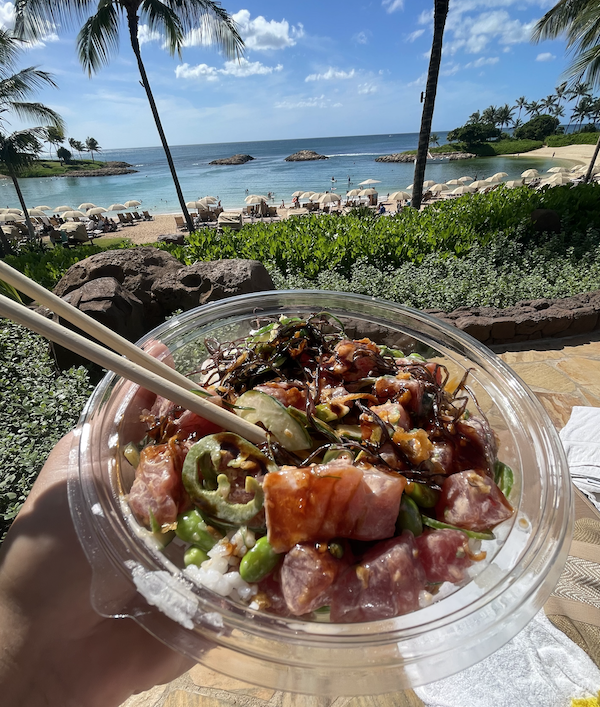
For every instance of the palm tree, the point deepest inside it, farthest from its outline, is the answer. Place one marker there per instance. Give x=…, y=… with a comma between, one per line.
x=520, y=103
x=98, y=39
x=20, y=148
x=440, y=12
x=533, y=108
x=91, y=146
x=504, y=115
x=77, y=145
x=55, y=136
x=434, y=139
x=561, y=92
x=475, y=117
x=548, y=103
x=490, y=115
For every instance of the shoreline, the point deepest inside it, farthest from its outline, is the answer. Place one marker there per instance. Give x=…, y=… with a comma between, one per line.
x=581, y=154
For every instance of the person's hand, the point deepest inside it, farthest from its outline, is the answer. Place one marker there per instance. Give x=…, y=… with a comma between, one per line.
x=54, y=649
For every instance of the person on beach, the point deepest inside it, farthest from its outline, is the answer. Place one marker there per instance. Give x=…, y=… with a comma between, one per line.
x=282, y=204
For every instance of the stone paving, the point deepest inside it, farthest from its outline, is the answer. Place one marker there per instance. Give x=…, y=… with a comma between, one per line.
x=562, y=373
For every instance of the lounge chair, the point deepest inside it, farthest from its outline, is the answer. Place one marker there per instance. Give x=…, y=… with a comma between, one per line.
x=147, y=216
x=124, y=221
x=130, y=220
x=180, y=223
x=136, y=216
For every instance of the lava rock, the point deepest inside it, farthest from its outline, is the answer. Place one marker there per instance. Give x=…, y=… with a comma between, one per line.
x=305, y=156
x=234, y=159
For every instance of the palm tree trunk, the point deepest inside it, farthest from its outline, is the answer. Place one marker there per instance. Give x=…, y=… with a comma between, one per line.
x=6, y=247
x=588, y=174
x=30, y=228
x=439, y=22
x=132, y=20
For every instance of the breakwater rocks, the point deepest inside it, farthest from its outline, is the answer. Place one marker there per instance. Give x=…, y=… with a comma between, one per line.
x=305, y=156
x=109, y=170
x=408, y=157
x=527, y=320
x=234, y=159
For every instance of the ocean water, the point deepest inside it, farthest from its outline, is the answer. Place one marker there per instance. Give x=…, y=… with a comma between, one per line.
x=351, y=160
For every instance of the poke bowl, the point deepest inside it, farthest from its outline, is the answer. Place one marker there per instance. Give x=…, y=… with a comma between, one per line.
x=339, y=642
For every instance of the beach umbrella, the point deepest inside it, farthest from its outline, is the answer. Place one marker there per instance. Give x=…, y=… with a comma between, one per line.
x=191, y=204
x=212, y=199
x=514, y=183
x=530, y=174
x=37, y=213
x=316, y=196
x=557, y=170
x=453, y=182
x=73, y=214
x=479, y=184
x=329, y=198
x=367, y=192
x=465, y=179
x=464, y=189
x=205, y=203
x=297, y=193
x=116, y=207
x=558, y=179
x=43, y=208
x=255, y=199
x=428, y=183
x=86, y=206
x=353, y=192
x=367, y=182
x=14, y=211
x=439, y=188
x=492, y=180
x=7, y=217
x=132, y=203
x=96, y=211
x=400, y=196
x=60, y=209
x=499, y=175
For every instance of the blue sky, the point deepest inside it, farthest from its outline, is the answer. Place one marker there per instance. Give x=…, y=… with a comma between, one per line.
x=311, y=69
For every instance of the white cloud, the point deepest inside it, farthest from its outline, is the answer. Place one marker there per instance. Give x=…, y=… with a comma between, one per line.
x=366, y=88
x=545, y=56
x=145, y=35
x=450, y=69
x=261, y=34
x=482, y=61
x=243, y=68
x=238, y=68
x=393, y=5
x=201, y=71
x=331, y=74
x=362, y=38
x=415, y=35
x=474, y=34
x=315, y=102
x=7, y=15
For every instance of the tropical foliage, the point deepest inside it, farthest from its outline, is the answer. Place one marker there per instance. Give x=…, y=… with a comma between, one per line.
x=18, y=149
x=98, y=39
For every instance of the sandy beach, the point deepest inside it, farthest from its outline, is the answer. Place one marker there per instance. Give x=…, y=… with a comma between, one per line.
x=580, y=154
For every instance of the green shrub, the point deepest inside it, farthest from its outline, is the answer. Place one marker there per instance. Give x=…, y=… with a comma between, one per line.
x=572, y=139
x=537, y=128
x=39, y=405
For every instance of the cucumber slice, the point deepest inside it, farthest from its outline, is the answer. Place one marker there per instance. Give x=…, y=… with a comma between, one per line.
x=255, y=406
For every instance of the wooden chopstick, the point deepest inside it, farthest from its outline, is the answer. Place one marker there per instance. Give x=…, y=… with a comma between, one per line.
x=86, y=323
x=129, y=369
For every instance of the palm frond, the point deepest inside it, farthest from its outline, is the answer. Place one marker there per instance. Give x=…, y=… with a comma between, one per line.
x=9, y=291
x=162, y=19
x=20, y=148
x=35, y=18
x=558, y=20
x=98, y=39
x=22, y=84
x=10, y=48
x=39, y=113
x=212, y=20
x=587, y=64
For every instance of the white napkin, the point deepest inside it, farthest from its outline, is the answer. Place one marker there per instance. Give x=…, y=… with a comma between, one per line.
x=581, y=440
x=540, y=667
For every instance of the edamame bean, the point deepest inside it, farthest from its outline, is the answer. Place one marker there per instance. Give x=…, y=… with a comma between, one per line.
x=409, y=516
x=259, y=561
x=191, y=528
x=194, y=556
x=422, y=495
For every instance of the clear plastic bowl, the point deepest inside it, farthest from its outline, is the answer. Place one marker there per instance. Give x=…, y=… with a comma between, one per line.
x=133, y=577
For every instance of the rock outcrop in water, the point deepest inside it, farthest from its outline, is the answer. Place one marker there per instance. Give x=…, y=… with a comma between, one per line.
x=305, y=156
x=409, y=157
x=234, y=159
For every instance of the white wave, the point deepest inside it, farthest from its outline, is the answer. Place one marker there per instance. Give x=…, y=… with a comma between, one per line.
x=354, y=154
